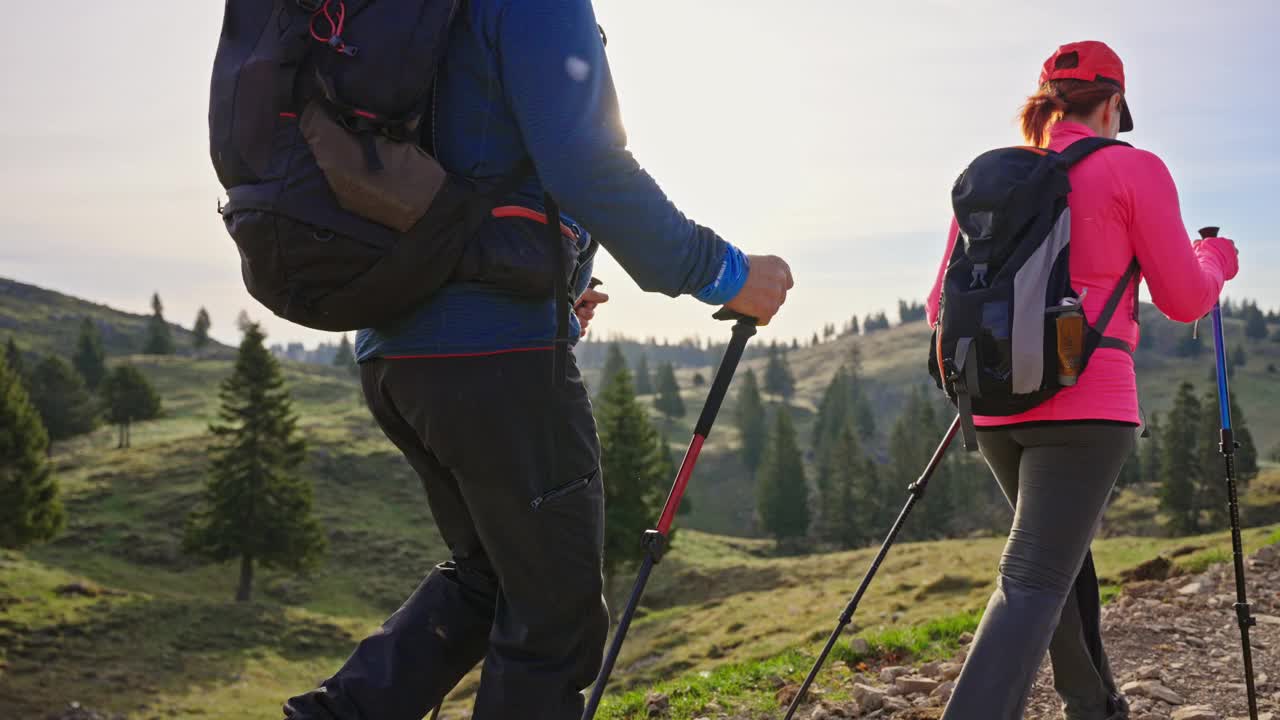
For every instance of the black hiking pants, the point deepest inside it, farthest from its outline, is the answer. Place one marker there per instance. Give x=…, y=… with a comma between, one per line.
x=1057, y=478
x=522, y=591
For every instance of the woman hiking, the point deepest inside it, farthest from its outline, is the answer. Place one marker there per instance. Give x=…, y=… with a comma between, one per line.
x=1057, y=463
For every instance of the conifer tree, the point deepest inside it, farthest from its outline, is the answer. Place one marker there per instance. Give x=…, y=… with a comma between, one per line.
x=847, y=487
x=345, y=358
x=778, y=379
x=834, y=413
x=1213, y=471
x=30, y=509
x=635, y=463
x=60, y=395
x=782, y=495
x=614, y=364
x=669, y=402
x=256, y=507
x=1180, y=464
x=14, y=357
x=128, y=398
x=752, y=423
x=89, y=359
x=159, y=339
x=1152, y=452
x=644, y=381
x=200, y=330
x=911, y=443
x=1255, y=323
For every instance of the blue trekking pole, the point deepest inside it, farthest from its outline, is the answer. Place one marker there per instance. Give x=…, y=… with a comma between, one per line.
x=1227, y=445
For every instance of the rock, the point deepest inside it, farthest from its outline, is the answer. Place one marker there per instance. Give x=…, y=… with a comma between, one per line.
x=1157, y=568
x=916, y=685
x=943, y=691
x=786, y=694
x=931, y=669
x=1151, y=689
x=869, y=698
x=893, y=672
x=895, y=704
x=1195, y=712
x=1148, y=672
x=1267, y=619
x=859, y=646
x=966, y=638
x=1194, y=588
x=949, y=670
x=656, y=704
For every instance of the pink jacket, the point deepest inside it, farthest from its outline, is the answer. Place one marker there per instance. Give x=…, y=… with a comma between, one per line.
x=1123, y=205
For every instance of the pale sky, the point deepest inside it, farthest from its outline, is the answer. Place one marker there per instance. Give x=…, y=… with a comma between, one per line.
x=825, y=131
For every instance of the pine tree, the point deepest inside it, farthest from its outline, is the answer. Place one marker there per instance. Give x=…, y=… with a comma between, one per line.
x=752, y=424
x=1180, y=465
x=256, y=507
x=853, y=326
x=834, y=413
x=345, y=358
x=1152, y=452
x=14, y=357
x=644, y=381
x=1238, y=357
x=1213, y=470
x=159, y=339
x=699, y=380
x=778, y=379
x=782, y=495
x=669, y=402
x=200, y=330
x=128, y=398
x=89, y=359
x=60, y=395
x=635, y=463
x=911, y=443
x=1255, y=323
x=614, y=364
x=30, y=509
x=847, y=492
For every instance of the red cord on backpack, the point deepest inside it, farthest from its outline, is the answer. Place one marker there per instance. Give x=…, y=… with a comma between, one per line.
x=334, y=37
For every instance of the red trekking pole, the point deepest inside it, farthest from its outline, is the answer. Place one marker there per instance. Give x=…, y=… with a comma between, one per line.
x=655, y=541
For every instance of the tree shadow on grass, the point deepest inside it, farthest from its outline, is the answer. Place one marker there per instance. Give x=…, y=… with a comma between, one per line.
x=124, y=650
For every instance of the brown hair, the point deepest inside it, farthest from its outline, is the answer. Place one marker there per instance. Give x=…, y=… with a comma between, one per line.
x=1057, y=98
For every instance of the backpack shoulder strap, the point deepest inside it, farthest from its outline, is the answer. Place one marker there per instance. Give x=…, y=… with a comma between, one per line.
x=1081, y=149
x=1096, y=338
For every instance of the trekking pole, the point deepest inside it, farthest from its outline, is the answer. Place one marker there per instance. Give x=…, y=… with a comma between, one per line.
x=655, y=541
x=916, y=489
x=1227, y=446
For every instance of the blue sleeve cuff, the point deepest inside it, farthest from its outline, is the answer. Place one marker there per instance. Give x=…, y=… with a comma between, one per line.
x=730, y=279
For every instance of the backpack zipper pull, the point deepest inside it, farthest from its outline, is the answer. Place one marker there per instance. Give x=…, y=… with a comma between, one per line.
x=979, y=276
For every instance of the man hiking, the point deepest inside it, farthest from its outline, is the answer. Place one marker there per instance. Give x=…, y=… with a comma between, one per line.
x=463, y=386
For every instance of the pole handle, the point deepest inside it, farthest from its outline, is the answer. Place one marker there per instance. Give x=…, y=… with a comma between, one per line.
x=725, y=313
x=1209, y=231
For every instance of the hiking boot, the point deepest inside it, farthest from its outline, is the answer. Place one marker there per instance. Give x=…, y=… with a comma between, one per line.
x=1119, y=708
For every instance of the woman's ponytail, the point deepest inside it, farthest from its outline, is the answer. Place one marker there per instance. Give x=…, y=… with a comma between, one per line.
x=1057, y=98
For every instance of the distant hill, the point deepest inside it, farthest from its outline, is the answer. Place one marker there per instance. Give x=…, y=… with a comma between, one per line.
x=44, y=321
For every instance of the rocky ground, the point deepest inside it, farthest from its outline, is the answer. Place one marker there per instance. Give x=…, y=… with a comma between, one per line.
x=1174, y=645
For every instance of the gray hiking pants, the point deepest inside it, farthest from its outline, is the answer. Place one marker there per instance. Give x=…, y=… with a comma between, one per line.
x=1057, y=478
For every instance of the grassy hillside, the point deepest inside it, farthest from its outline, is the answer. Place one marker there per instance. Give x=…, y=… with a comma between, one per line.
x=44, y=321
x=722, y=493
x=112, y=614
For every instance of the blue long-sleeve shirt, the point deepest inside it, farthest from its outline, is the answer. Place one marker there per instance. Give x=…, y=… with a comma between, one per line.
x=529, y=78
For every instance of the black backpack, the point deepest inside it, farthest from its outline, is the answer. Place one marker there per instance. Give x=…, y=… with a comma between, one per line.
x=343, y=220
x=995, y=350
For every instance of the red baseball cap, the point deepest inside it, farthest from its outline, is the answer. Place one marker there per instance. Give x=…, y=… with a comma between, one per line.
x=1092, y=61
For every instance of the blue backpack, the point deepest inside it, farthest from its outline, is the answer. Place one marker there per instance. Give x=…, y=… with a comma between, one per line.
x=317, y=116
